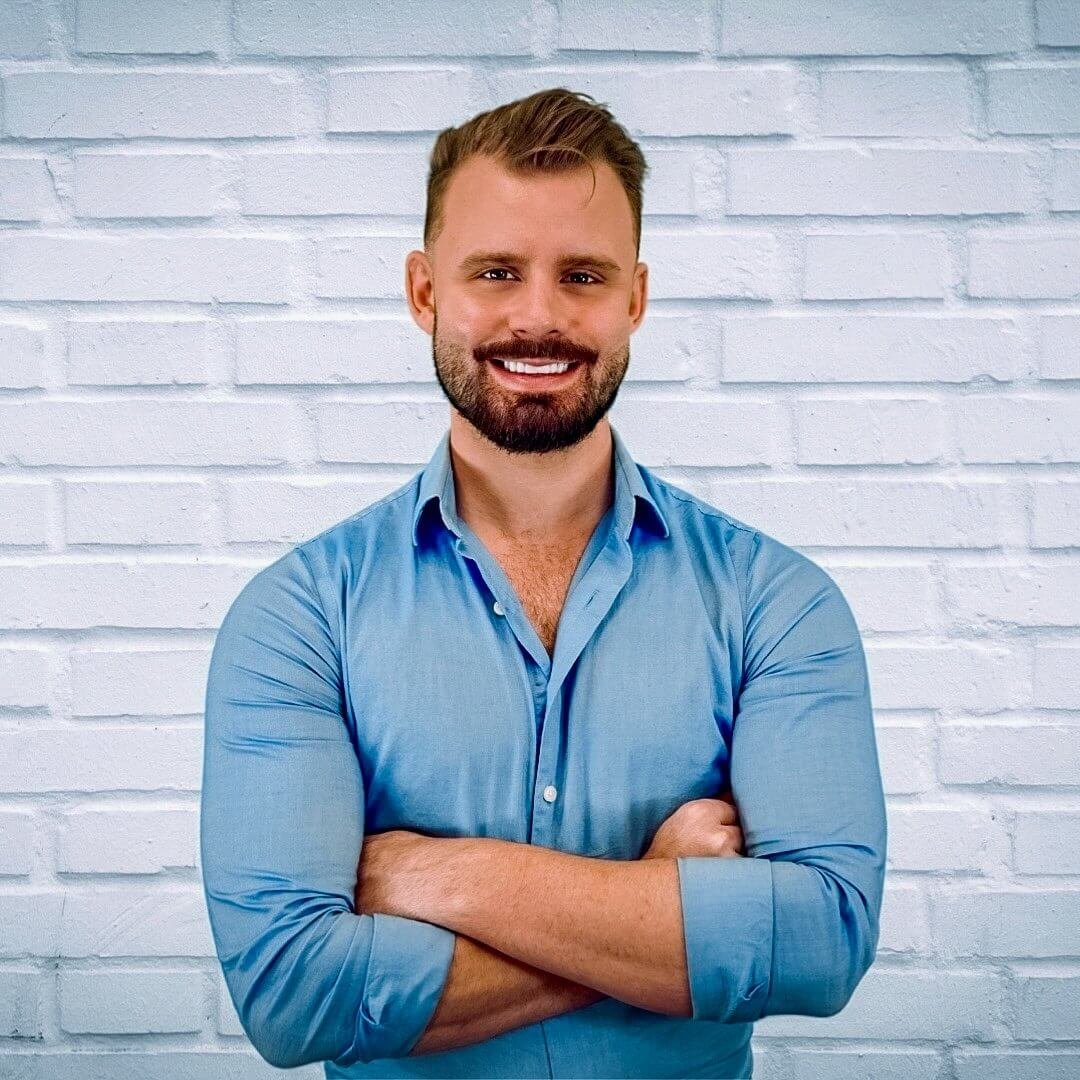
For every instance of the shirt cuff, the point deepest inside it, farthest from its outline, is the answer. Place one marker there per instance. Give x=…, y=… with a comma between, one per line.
x=728, y=921
x=407, y=969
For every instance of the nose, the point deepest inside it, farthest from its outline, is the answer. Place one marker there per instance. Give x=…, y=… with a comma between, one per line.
x=537, y=309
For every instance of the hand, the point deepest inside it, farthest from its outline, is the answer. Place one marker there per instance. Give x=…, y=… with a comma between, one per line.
x=700, y=827
x=391, y=873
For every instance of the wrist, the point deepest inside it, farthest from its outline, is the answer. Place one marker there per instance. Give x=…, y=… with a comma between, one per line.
x=440, y=886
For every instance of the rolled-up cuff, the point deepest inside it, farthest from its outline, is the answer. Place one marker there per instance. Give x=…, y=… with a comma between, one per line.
x=407, y=970
x=728, y=922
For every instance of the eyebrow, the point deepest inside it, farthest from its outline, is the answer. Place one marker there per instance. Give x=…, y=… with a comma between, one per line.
x=479, y=259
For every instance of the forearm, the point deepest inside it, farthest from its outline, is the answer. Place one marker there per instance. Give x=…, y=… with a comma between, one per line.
x=612, y=925
x=487, y=993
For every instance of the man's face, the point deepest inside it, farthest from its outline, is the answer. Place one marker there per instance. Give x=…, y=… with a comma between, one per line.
x=532, y=269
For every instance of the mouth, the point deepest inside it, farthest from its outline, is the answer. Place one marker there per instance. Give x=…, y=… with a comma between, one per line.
x=532, y=375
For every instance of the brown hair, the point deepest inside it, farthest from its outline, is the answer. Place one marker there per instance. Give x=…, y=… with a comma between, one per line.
x=549, y=131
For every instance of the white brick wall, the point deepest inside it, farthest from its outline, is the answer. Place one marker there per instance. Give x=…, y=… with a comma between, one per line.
x=864, y=337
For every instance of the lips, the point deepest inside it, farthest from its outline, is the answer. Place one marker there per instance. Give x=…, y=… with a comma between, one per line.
x=540, y=382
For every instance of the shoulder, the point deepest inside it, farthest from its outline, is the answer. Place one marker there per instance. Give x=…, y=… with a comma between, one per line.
x=769, y=572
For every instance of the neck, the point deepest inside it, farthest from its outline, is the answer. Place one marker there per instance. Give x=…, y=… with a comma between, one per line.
x=531, y=498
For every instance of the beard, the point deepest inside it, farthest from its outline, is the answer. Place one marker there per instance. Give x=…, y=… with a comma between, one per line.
x=524, y=421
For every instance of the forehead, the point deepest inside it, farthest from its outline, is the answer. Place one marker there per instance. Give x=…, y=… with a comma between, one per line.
x=486, y=205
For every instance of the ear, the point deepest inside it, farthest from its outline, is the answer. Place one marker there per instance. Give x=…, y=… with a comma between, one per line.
x=420, y=290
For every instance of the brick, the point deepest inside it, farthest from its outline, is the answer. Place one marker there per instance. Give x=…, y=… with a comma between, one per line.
x=134, y=681
x=88, y=594
x=406, y=28
x=114, y=433
x=1047, y=842
x=1055, y=518
x=365, y=267
x=26, y=190
x=757, y=100
x=136, y=513
x=628, y=26
x=1033, y=100
x=1059, y=346
x=148, y=26
x=155, y=185
x=939, y=838
x=394, y=432
x=21, y=1015
x=866, y=513
x=1015, y=1064
x=289, y=512
x=870, y=348
x=887, y=598
x=201, y=269
x=1007, y=923
x=974, y=677
x=135, y=921
x=397, y=100
x=130, y=1002
x=134, y=352
x=25, y=510
x=26, y=678
x=170, y=1064
x=868, y=266
x=126, y=841
x=1014, y=594
x=1025, y=753
x=869, y=432
x=1065, y=180
x=899, y=101
x=341, y=182
x=674, y=347
x=1046, y=1007
x=822, y=27
x=878, y=180
x=905, y=758
x=1056, y=679
x=903, y=920
x=30, y=921
x=741, y=266
x=101, y=759
x=893, y=1005
x=725, y=433
x=1024, y=265
x=24, y=29
x=16, y=851
x=228, y=1020
x=811, y=1064
x=1057, y=22
x=145, y=104
x=335, y=351
x=22, y=356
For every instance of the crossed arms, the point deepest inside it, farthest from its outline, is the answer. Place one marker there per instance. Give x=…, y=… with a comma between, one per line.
x=540, y=932
x=496, y=932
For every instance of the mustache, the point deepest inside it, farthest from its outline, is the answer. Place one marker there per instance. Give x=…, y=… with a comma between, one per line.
x=526, y=350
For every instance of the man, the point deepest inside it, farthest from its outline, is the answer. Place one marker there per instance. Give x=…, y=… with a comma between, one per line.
x=467, y=751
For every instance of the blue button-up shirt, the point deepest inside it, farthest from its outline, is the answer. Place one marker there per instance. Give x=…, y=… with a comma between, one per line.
x=384, y=675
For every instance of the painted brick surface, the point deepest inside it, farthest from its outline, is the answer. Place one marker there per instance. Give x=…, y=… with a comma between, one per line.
x=863, y=338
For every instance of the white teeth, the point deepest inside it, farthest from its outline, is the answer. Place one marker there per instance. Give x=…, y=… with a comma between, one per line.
x=533, y=369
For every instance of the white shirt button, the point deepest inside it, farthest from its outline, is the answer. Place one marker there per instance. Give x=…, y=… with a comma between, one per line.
x=498, y=608
x=549, y=793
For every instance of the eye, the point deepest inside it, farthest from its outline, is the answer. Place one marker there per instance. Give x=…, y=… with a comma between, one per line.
x=503, y=270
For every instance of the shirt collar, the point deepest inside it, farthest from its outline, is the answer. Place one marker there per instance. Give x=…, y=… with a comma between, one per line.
x=633, y=501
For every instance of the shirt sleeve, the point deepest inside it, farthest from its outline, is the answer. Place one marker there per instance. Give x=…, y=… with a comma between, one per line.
x=792, y=927
x=281, y=828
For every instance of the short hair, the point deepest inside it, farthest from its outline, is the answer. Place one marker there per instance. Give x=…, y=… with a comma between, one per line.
x=552, y=130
